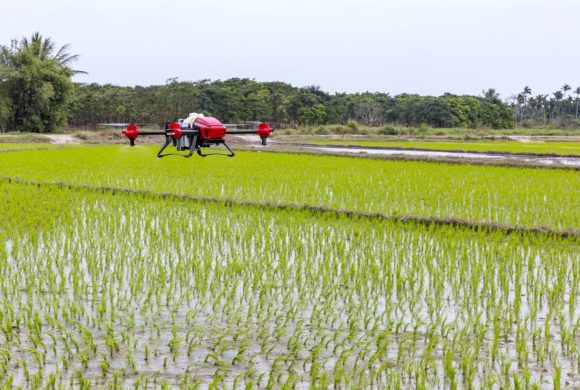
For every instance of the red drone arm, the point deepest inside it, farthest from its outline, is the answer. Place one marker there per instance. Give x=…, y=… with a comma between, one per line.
x=264, y=130
x=173, y=130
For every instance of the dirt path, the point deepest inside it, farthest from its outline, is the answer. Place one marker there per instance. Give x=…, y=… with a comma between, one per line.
x=61, y=139
x=540, y=138
x=522, y=138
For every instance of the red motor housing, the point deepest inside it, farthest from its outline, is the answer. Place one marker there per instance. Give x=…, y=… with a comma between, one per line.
x=210, y=128
x=131, y=132
x=264, y=131
x=176, y=128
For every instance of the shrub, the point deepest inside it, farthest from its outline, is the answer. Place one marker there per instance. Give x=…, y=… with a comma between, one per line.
x=353, y=125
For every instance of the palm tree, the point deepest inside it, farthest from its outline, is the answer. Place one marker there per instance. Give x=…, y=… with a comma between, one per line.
x=27, y=68
x=527, y=90
x=45, y=50
x=577, y=93
x=558, y=95
x=521, y=100
x=526, y=93
x=490, y=94
x=565, y=88
x=542, y=104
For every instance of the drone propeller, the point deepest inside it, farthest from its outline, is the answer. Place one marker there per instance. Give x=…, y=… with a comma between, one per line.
x=244, y=123
x=120, y=124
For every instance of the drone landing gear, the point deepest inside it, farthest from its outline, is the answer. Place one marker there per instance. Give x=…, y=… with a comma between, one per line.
x=230, y=154
x=169, y=140
x=195, y=144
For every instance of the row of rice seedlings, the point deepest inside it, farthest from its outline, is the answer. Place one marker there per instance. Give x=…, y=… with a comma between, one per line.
x=126, y=290
x=513, y=196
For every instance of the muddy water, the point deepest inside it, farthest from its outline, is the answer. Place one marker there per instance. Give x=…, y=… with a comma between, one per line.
x=566, y=161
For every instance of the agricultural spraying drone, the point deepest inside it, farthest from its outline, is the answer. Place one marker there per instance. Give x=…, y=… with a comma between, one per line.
x=198, y=131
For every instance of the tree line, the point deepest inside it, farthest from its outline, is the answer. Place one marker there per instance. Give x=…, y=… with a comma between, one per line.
x=237, y=99
x=560, y=108
x=37, y=94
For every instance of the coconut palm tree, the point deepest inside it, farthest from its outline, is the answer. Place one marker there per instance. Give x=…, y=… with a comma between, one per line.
x=577, y=93
x=565, y=88
x=558, y=95
x=45, y=50
x=490, y=94
x=524, y=97
x=527, y=90
x=35, y=76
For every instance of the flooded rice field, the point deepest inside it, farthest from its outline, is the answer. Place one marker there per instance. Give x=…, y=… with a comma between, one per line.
x=282, y=277
x=481, y=156
x=112, y=290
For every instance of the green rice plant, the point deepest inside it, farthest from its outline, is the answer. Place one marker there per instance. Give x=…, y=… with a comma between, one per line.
x=450, y=371
x=104, y=365
x=497, y=195
x=557, y=376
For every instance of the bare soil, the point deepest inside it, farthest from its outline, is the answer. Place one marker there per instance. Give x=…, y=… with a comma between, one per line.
x=62, y=139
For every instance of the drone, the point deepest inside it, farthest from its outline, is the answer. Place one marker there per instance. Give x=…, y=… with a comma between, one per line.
x=196, y=132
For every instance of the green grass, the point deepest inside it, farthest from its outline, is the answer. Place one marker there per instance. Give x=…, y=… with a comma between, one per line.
x=564, y=148
x=504, y=195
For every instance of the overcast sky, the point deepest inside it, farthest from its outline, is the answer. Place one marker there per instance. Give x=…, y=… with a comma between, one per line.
x=395, y=46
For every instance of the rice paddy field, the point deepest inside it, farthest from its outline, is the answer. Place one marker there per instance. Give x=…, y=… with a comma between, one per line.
x=273, y=270
x=561, y=148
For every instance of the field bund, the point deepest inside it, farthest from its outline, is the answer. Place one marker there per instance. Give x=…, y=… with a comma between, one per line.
x=269, y=270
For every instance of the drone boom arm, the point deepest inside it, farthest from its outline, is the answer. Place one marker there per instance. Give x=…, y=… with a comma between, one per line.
x=173, y=131
x=152, y=132
x=263, y=131
x=238, y=131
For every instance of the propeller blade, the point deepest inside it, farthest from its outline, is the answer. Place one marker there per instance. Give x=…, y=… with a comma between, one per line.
x=120, y=124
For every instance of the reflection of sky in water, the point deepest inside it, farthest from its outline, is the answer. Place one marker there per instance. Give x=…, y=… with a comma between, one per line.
x=571, y=161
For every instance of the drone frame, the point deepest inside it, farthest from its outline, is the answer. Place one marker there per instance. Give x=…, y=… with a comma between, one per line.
x=206, y=131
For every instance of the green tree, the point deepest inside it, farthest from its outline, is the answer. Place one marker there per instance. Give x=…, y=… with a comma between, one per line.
x=35, y=78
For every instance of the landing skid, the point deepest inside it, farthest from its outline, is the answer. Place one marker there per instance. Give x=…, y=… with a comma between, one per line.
x=195, y=145
x=230, y=154
x=169, y=140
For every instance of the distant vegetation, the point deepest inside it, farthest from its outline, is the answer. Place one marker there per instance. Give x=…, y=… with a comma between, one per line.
x=246, y=100
x=37, y=94
x=559, y=109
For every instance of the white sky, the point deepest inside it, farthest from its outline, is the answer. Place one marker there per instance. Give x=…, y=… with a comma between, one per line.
x=395, y=46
